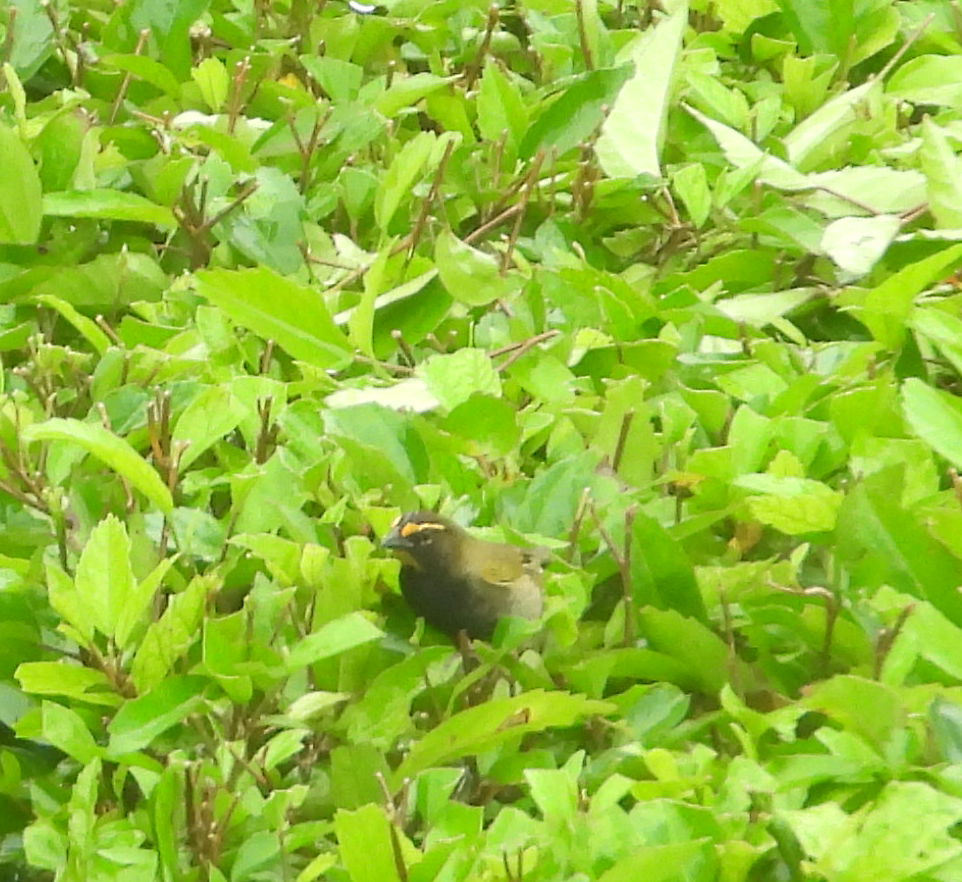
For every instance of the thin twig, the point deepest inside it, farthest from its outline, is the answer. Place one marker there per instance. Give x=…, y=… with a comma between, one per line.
x=887, y=637
x=386, y=365
x=525, y=347
x=575, y=530
x=128, y=77
x=428, y=201
x=473, y=70
x=622, y=440
x=531, y=182
x=583, y=35
x=507, y=214
x=897, y=57
x=398, y=336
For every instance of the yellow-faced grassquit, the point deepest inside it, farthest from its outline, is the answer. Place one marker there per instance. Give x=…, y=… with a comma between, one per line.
x=459, y=583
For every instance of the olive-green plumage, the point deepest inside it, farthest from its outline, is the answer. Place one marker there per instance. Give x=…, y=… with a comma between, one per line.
x=460, y=583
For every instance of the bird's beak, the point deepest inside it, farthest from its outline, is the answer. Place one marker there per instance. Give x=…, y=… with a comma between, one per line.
x=394, y=541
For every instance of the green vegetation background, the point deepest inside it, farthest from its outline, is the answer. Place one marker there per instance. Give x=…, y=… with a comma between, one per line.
x=667, y=287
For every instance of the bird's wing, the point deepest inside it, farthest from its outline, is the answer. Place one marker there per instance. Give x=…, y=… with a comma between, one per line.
x=502, y=569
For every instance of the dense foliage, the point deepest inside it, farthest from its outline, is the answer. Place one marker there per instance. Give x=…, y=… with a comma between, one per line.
x=666, y=287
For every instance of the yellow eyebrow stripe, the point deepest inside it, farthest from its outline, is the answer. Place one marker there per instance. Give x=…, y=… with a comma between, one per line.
x=409, y=529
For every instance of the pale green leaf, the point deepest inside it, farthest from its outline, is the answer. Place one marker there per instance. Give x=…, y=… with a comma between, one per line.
x=114, y=451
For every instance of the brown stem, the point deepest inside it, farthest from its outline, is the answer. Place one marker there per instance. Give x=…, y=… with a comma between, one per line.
x=11, y=35
x=266, y=434
x=583, y=35
x=508, y=213
x=473, y=70
x=623, y=561
x=622, y=440
x=406, y=351
x=522, y=348
x=393, y=368
x=631, y=624
x=428, y=201
x=733, y=672
x=241, y=69
x=108, y=330
x=60, y=39
x=531, y=182
x=575, y=531
x=887, y=637
x=128, y=77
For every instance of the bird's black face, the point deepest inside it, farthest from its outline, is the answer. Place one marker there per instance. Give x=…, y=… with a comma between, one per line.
x=423, y=540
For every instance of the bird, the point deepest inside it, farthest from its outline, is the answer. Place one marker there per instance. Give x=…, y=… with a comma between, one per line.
x=457, y=582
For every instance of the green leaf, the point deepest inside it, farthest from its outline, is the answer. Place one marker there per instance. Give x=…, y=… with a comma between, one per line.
x=871, y=709
x=875, y=534
x=743, y=154
x=833, y=117
x=74, y=682
x=875, y=843
x=339, y=78
x=97, y=338
x=500, y=107
x=107, y=205
x=406, y=168
x=691, y=184
x=856, y=244
x=104, y=579
x=34, y=43
x=700, y=650
x=661, y=574
x=791, y=505
x=60, y=147
x=276, y=308
x=361, y=321
x=470, y=276
x=552, y=498
x=138, y=602
x=332, y=639
x=65, y=599
x=258, y=853
x=172, y=634
x=483, y=728
x=143, y=719
x=941, y=328
x=935, y=417
x=693, y=861
x=633, y=132
x=214, y=413
x=364, y=841
x=380, y=439
x=115, y=452
x=406, y=91
x=945, y=718
x=712, y=97
x=20, y=194
x=928, y=79
x=454, y=378
x=147, y=69
x=574, y=114
x=555, y=791
x=885, y=308
x=212, y=79
x=943, y=174
x=64, y=728
x=491, y=423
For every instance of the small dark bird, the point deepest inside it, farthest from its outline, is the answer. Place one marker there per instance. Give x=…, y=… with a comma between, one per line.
x=459, y=583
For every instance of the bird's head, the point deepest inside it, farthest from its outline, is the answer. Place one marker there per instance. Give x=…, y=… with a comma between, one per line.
x=425, y=540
